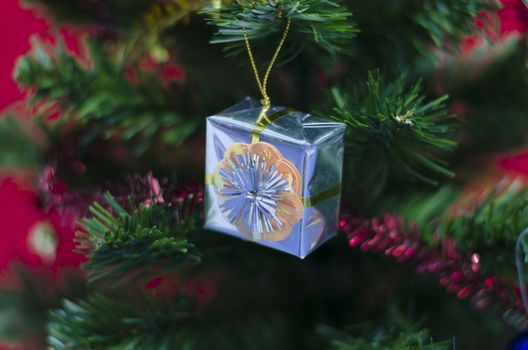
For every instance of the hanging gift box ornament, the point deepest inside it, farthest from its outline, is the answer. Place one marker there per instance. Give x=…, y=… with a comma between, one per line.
x=274, y=180
x=273, y=174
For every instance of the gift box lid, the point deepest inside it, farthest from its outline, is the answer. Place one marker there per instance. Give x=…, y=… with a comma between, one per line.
x=286, y=124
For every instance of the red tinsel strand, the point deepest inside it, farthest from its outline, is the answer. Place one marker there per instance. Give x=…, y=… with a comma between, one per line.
x=459, y=274
x=186, y=199
x=70, y=205
x=148, y=190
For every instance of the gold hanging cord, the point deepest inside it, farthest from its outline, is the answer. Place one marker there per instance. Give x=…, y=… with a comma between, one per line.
x=263, y=84
x=265, y=120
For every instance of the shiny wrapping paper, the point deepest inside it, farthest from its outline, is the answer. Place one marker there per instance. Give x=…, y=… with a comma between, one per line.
x=273, y=176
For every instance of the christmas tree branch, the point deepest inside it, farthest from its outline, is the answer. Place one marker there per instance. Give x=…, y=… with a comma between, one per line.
x=491, y=82
x=484, y=219
x=460, y=275
x=393, y=132
x=26, y=295
x=143, y=321
x=403, y=33
x=408, y=339
x=493, y=219
x=107, y=97
x=148, y=322
x=20, y=148
x=321, y=23
x=150, y=238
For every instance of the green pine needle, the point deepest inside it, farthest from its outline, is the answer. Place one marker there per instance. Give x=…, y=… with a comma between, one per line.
x=119, y=243
x=447, y=20
x=381, y=339
x=487, y=222
x=26, y=295
x=403, y=32
x=99, y=322
x=398, y=333
x=148, y=322
x=144, y=321
x=491, y=222
x=102, y=96
x=393, y=133
x=324, y=24
x=18, y=149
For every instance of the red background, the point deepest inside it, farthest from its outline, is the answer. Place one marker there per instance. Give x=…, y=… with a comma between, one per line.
x=18, y=205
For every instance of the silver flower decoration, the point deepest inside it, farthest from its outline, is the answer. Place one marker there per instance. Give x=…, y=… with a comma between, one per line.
x=259, y=191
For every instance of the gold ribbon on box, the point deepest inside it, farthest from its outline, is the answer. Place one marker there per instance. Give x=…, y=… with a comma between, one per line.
x=265, y=120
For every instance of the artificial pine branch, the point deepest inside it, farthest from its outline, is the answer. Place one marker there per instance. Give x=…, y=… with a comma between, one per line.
x=240, y=310
x=483, y=219
x=408, y=339
x=99, y=322
x=147, y=322
x=107, y=97
x=324, y=23
x=486, y=221
x=422, y=207
x=494, y=218
x=26, y=295
x=400, y=32
x=18, y=148
x=489, y=89
x=392, y=236
x=150, y=238
x=393, y=132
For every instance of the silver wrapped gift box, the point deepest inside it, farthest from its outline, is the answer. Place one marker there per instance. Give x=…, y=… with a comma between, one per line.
x=273, y=176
